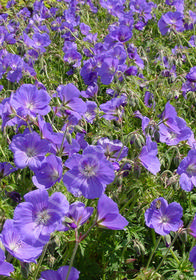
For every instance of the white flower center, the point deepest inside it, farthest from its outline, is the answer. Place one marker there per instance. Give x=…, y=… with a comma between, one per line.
x=191, y=169
x=88, y=170
x=31, y=152
x=30, y=106
x=171, y=135
x=164, y=219
x=42, y=217
x=55, y=175
x=15, y=246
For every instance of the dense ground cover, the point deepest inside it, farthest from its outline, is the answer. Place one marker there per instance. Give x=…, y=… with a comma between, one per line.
x=97, y=146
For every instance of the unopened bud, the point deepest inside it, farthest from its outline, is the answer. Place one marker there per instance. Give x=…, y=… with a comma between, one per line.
x=68, y=137
x=78, y=128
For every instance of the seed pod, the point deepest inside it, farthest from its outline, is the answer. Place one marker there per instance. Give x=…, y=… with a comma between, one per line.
x=78, y=128
x=68, y=137
x=157, y=136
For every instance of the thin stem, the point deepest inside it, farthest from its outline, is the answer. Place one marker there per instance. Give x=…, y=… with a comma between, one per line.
x=72, y=259
x=61, y=148
x=190, y=205
x=40, y=261
x=174, y=256
x=173, y=241
x=85, y=234
x=182, y=45
x=153, y=251
x=78, y=240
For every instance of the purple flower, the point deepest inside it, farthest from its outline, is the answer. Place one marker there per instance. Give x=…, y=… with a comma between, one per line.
x=178, y=4
x=56, y=139
x=148, y=156
x=108, y=215
x=5, y=267
x=84, y=28
x=29, y=101
x=191, y=76
x=72, y=104
x=131, y=71
x=29, y=149
x=187, y=171
x=108, y=70
x=143, y=9
x=173, y=129
x=149, y=99
x=10, y=4
x=192, y=227
x=192, y=258
x=5, y=169
x=89, y=173
x=113, y=108
x=15, y=196
x=89, y=72
x=7, y=115
x=78, y=215
x=188, y=86
x=121, y=33
x=164, y=218
x=91, y=91
x=40, y=215
x=192, y=41
x=171, y=21
x=38, y=42
x=91, y=111
x=13, y=241
x=49, y=172
x=60, y=274
x=72, y=56
x=132, y=52
x=113, y=149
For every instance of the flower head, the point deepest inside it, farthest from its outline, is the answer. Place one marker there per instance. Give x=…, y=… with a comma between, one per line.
x=187, y=171
x=108, y=214
x=39, y=215
x=89, y=173
x=78, y=215
x=171, y=20
x=12, y=240
x=148, y=156
x=60, y=274
x=5, y=267
x=162, y=217
x=29, y=149
x=49, y=172
x=29, y=101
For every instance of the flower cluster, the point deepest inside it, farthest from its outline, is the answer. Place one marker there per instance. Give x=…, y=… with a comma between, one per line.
x=67, y=119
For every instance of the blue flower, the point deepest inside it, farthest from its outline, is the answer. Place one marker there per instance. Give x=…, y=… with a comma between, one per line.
x=164, y=218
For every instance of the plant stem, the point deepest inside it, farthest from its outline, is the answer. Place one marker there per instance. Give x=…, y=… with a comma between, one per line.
x=173, y=241
x=174, y=256
x=72, y=259
x=61, y=148
x=190, y=205
x=153, y=251
x=40, y=261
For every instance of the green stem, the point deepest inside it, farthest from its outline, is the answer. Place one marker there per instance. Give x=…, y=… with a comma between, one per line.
x=85, y=234
x=174, y=256
x=40, y=261
x=153, y=251
x=173, y=241
x=61, y=148
x=190, y=205
x=72, y=259
x=182, y=45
